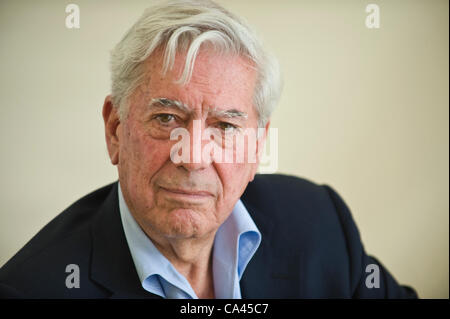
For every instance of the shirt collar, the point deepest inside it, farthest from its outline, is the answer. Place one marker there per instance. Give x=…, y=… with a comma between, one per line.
x=237, y=239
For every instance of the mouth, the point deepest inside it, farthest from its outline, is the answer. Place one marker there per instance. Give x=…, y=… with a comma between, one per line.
x=187, y=193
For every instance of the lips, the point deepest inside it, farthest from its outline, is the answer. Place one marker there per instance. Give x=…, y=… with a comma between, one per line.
x=187, y=192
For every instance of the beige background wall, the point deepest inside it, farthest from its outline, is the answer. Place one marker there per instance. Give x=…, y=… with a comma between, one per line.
x=364, y=110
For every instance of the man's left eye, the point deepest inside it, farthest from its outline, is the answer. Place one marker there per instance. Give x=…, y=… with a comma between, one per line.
x=226, y=126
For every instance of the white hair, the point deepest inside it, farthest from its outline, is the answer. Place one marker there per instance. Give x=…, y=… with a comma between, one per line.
x=184, y=25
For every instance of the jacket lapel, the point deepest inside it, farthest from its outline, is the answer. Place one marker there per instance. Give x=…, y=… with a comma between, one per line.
x=112, y=265
x=274, y=270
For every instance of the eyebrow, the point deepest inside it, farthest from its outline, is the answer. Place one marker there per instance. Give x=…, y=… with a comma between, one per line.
x=165, y=102
x=169, y=103
x=228, y=113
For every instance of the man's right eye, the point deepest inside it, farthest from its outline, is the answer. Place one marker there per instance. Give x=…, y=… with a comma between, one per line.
x=164, y=118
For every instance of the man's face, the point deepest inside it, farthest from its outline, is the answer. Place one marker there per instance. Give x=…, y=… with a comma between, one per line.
x=185, y=200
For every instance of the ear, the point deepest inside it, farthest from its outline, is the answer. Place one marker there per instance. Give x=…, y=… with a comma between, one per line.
x=260, y=142
x=112, y=124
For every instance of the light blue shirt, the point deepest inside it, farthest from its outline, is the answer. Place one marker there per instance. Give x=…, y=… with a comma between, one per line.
x=236, y=241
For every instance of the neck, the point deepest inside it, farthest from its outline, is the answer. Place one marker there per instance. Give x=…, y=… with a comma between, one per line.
x=193, y=259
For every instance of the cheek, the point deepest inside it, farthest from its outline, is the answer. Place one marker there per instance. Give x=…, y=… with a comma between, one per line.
x=142, y=156
x=234, y=178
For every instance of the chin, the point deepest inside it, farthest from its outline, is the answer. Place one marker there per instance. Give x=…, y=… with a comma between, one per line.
x=184, y=223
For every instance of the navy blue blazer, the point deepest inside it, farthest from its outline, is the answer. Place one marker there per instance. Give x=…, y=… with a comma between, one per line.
x=310, y=248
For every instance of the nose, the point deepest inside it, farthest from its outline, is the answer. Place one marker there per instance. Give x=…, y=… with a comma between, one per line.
x=193, y=144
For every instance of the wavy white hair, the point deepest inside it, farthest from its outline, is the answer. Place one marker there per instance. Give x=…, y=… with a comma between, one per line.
x=184, y=25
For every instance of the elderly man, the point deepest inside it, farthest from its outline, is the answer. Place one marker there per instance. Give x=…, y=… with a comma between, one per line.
x=202, y=226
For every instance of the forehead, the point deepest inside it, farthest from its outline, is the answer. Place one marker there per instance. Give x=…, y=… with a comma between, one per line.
x=218, y=81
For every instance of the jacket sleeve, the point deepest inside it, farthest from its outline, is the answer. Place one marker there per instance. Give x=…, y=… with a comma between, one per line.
x=8, y=292
x=369, y=278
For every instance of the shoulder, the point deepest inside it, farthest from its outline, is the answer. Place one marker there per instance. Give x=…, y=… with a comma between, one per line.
x=279, y=185
x=306, y=215
x=296, y=198
x=63, y=241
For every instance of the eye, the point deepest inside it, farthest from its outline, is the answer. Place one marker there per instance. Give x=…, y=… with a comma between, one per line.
x=226, y=126
x=164, y=118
